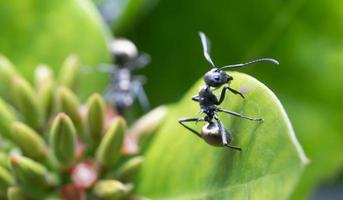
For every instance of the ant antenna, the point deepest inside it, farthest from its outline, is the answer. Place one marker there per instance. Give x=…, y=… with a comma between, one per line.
x=206, y=48
x=275, y=62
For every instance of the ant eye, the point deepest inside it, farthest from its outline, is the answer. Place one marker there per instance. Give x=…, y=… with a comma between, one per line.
x=216, y=78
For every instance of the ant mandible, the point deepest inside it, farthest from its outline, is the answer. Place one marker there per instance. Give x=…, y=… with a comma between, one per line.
x=214, y=132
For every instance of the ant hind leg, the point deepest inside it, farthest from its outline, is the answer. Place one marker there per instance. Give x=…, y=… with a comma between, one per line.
x=192, y=119
x=228, y=142
x=224, y=133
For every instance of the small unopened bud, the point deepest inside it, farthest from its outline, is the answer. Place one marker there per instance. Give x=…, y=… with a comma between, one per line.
x=149, y=122
x=43, y=75
x=129, y=169
x=109, y=149
x=69, y=72
x=29, y=173
x=95, y=118
x=6, y=180
x=111, y=189
x=4, y=160
x=29, y=141
x=6, y=118
x=63, y=140
x=25, y=99
x=14, y=193
x=7, y=71
x=69, y=104
x=45, y=86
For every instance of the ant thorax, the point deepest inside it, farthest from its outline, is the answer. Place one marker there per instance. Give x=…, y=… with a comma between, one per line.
x=207, y=99
x=124, y=79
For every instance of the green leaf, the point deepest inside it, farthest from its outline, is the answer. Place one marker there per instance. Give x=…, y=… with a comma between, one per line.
x=38, y=32
x=324, y=146
x=179, y=165
x=305, y=36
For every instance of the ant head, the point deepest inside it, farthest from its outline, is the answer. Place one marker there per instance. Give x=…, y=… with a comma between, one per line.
x=123, y=51
x=216, y=78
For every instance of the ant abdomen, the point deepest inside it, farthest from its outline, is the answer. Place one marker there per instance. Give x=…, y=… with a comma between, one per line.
x=212, y=135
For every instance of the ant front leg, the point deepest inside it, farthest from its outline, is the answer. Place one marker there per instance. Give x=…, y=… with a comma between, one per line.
x=223, y=133
x=196, y=98
x=239, y=115
x=223, y=92
x=192, y=119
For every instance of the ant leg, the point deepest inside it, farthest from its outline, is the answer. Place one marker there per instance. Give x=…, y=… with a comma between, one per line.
x=109, y=94
x=193, y=119
x=140, y=62
x=107, y=68
x=239, y=115
x=141, y=95
x=223, y=92
x=231, y=146
x=223, y=133
x=102, y=67
x=196, y=98
x=235, y=92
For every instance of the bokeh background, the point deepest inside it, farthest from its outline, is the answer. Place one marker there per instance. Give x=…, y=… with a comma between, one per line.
x=305, y=36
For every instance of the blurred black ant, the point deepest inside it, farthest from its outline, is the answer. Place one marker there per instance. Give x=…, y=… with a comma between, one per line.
x=125, y=88
x=214, y=132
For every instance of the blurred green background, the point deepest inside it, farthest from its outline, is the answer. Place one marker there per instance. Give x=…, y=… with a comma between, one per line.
x=305, y=36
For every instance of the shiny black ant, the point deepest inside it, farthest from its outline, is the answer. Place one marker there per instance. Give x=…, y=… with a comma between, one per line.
x=214, y=132
x=125, y=88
